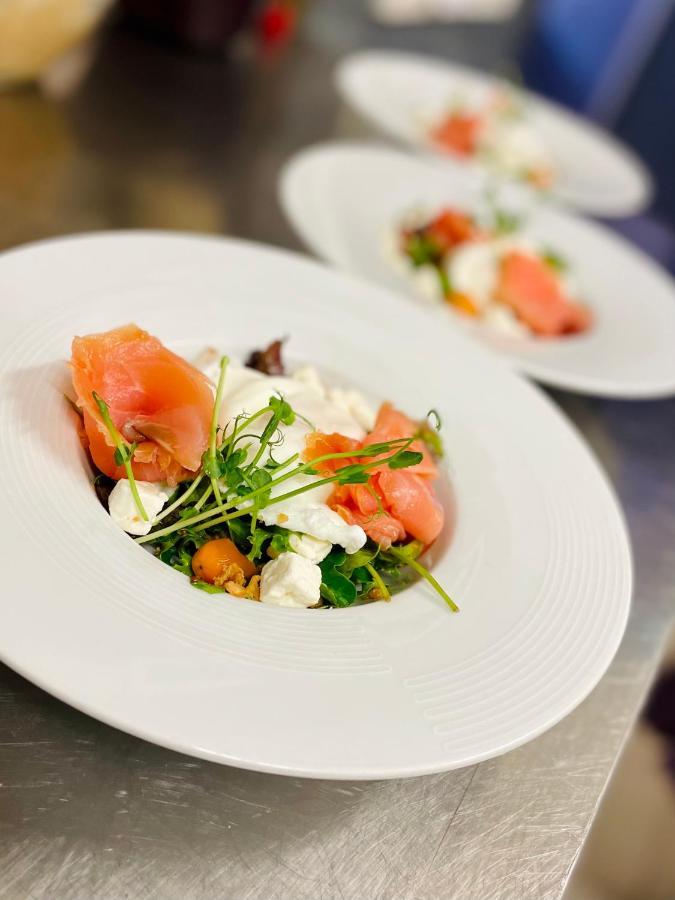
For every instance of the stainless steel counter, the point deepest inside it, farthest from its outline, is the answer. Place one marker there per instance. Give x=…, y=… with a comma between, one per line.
x=159, y=139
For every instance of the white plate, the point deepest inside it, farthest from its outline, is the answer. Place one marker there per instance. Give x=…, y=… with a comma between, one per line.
x=397, y=92
x=345, y=200
x=539, y=560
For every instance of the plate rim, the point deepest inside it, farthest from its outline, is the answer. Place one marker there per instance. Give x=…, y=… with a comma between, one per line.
x=578, y=384
x=601, y=135
x=600, y=664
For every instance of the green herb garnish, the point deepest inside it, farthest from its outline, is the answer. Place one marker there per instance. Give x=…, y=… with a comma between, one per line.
x=124, y=452
x=410, y=559
x=429, y=433
x=555, y=261
x=211, y=464
x=422, y=250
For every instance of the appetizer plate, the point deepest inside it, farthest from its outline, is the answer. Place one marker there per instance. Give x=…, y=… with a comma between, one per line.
x=398, y=93
x=538, y=557
x=345, y=201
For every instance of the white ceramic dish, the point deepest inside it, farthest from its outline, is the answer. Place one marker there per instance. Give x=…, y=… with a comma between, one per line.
x=539, y=560
x=398, y=92
x=345, y=199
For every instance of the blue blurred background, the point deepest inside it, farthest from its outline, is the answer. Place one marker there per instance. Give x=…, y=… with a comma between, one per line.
x=613, y=60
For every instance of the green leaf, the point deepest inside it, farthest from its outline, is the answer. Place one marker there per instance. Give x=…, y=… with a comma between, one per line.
x=382, y=447
x=361, y=577
x=280, y=542
x=506, y=222
x=404, y=459
x=422, y=250
x=177, y=552
x=354, y=474
x=282, y=410
x=178, y=559
x=207, y=587
x=405, y=552
x=257, y=540
x=555, y=261
x=235, y=459
x=235, y=478
x=212, y=465
x=357, y=560
x=259, y=478
x=336, y=588
x=239, y=530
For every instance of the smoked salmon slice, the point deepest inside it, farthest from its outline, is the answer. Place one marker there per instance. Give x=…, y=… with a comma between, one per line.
x=459, y=133
x=391, y=424
x=382, y=528
x=451, y=228
x=531, y=289
x=411, y=501
x=395, y=503
x=155, y=398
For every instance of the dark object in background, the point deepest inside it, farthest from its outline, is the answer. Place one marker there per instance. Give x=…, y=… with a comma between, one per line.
x=660, y=713
x=618, y=69
x=267, y=361
x=198, y=24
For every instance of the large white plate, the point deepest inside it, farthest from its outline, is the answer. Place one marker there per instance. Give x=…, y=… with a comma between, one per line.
x=539, y=560
x=395, y=92
x=346, y=199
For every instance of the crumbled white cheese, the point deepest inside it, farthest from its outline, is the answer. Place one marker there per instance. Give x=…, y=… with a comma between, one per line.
x=349, y=401
x=122, y=506
x=290, y=580
x=309, y=376
x=501, y=319
x=515, y=147
x=317, y=520
x=310, y=547
x=354, y=403
x=473, y=270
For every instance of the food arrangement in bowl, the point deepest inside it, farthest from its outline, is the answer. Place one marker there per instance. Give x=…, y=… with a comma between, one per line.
x=268, y=486
x=495, y=131
x=485, y=268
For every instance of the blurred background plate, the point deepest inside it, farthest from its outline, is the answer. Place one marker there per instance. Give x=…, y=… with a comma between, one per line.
x=398, y=92
x=539, y=558
x=346, y=199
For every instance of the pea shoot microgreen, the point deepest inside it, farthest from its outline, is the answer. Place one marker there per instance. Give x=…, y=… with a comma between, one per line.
x=213, y=433
x=124, y=452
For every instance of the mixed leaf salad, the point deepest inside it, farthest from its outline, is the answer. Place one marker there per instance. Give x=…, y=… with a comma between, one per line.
x=249, y=496
x=484, y=267
x=497, y=132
